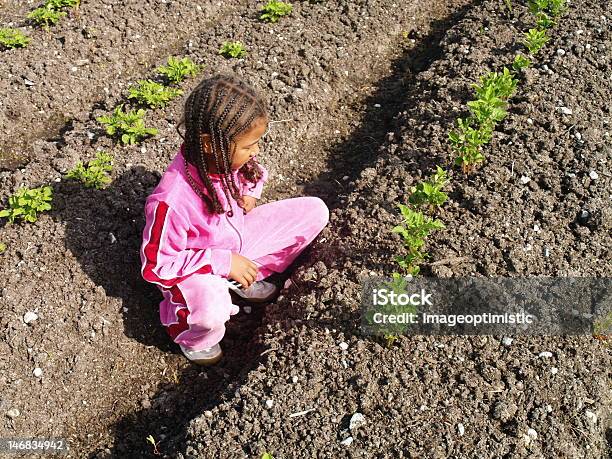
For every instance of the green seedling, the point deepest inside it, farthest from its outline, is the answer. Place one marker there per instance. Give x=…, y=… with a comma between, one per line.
x=232, y=49
x=94, y=175
x=508, y=4
x=501, y=85
x=267, y=456
x=488, y=110
x=414, y=229
x=467, y=141
x=520, y=62
x=544, y=21
x=60, y=4
x=429, y=193
x=536, y=6
x=2, y=247
x=13, y=38
x=26, y=203
x=178, y=69
x=151, y=440
x=45, y=16
x=153, y=94
x=274, y=10
x=534, y=40
x=555, y=8
x=130, y=126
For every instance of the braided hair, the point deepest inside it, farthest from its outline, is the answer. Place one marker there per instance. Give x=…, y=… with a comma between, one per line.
x=222, y=106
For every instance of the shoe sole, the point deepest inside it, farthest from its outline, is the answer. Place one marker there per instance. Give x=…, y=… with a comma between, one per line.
x=207, y=362
x=235, y=287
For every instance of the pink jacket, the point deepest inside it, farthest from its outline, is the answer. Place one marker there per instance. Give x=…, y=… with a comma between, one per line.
x=180, y=236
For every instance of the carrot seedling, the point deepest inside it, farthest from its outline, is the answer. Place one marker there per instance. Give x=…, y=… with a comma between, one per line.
x=232, y=49
x=274, y=10
x=130, y=126
x=94, y=175
x=153, y=94
x=13, y=38
x=26, y=203
x=429, y=193
x=534, y=40
x=178, y=69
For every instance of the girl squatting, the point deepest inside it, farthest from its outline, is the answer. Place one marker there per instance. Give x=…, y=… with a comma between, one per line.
x=203, y=227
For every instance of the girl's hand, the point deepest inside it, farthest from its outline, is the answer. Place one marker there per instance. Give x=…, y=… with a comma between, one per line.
x=248, y=202
x=243, y=270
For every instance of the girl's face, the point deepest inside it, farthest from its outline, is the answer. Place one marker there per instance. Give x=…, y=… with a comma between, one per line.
x=246, y=146
x=247, y=143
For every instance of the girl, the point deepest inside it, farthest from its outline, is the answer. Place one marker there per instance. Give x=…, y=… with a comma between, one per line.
x=202, y=227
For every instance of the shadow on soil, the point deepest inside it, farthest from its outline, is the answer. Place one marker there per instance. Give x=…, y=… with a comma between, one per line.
x=113, y=262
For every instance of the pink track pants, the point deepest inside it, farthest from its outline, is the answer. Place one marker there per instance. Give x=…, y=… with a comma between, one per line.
x=274, y=235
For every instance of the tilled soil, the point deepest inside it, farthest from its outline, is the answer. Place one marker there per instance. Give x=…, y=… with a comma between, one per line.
x=111, y=376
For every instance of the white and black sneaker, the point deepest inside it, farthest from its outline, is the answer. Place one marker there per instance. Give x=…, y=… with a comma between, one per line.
x=206, y=356
x=259, y=291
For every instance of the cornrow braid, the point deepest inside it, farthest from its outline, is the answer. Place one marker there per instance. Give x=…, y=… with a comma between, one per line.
x=224, y=107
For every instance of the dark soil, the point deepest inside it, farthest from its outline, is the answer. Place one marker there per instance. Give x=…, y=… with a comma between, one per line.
x=111, y=376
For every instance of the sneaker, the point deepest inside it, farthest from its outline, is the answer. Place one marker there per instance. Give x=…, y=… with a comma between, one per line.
x=259, y=291
x=207, y=356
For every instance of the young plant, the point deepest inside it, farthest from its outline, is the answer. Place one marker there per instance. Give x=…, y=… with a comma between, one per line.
x=429, y=193
x=130, y=126
x=26, y=203
x=544, y=21
x=557, y=7
x=501, y=85
x=489, y=109
x=414, y=229
x=274, y=10
x=94, y=175
x=467, y=141
x=151, y=440
x=520, y=62
x=2, y=247
x=153, y=94
x=232, y=49
x=45, y=16
x=13, y=38
x=60, y=4
x=179, y=69
x=534, y=40
x=537, y=6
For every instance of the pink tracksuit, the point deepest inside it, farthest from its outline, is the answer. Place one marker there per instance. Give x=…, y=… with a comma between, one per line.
x=186, y=251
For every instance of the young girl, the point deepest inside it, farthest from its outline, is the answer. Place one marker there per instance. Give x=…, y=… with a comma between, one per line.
x=202, y=227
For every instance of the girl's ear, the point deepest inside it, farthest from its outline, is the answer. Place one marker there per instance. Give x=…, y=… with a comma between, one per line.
x=206, y=143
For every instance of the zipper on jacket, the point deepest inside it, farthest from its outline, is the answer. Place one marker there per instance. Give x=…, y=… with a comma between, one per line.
x=238, y=232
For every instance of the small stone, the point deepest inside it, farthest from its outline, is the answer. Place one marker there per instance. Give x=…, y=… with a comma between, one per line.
x=460, y=429
x=343, y=346
x=532, y=434
x=529, y=121
x=269, y=403
x=13, y=413
x=346, y=177
x=37, y=372
x=594, y=175
x=507, y=341
x=536, y=228
x=524, y=179
x=545, y=354
x=546, y=252
x=377, y=105
x=578, y=136
x=208, y=414
x=591, y=416
x=554, y=370
x=74, y=69
x=28, y=82
x=565, y=110
x=549, y=409
x=587, y=46
x=30, y=316
x=347, y=441
x=295, y=379
x=247, y=309
x=560, y=52
x=112, y=237
x=357, y=420
x=143, y=149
